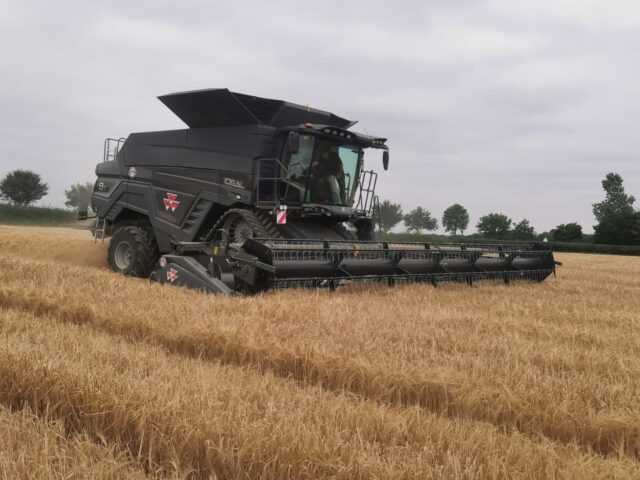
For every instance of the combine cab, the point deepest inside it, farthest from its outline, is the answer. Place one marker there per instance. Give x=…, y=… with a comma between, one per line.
x=261, y=194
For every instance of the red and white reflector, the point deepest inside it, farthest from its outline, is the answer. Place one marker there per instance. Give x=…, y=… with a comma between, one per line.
x=281, y=216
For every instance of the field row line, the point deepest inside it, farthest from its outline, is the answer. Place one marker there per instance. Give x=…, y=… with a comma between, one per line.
x=264, y=426
x=605, y=435
x=33, y=446
x=148, y=435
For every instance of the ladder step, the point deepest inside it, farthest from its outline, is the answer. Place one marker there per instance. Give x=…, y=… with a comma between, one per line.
x=99, y=231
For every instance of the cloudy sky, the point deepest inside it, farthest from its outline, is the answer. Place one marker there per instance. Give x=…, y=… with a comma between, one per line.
x=512, y=106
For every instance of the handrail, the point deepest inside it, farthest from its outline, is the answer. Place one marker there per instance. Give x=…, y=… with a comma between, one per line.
x=111, y=148
x=367, y=188
x=259, y=179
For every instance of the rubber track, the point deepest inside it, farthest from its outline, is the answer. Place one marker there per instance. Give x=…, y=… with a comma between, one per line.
x=269, y=224
x=259, y=222
x=274, y=232
x=265, y=227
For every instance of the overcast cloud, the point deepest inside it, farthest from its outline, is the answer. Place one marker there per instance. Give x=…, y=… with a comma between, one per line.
x=513, y=106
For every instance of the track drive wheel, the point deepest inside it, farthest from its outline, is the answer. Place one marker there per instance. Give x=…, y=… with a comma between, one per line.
x=241, y=225
x=133, y=251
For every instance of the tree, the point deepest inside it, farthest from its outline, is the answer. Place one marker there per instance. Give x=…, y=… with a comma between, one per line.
x=616, y=202
x=494, y=225
x=23, y=187
x=523, y=231
x=79, y=194
x=569, y=232
x=389, y=216
x=455, y=218
x=618, y=222
x=420, y=219
x=618, y=229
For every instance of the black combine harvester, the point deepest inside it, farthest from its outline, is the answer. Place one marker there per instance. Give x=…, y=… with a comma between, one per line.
x=259, y=194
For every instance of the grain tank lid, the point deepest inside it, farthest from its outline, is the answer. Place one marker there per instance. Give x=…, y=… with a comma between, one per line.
x=222, y=108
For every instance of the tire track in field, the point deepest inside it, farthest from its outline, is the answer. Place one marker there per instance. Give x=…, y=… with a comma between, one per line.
x=33, y=446
x=331, y=373
x=148, y=435
x=312, y=434
x=606, y=435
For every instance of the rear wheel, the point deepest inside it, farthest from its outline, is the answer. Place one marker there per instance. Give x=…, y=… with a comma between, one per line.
x=133, y=251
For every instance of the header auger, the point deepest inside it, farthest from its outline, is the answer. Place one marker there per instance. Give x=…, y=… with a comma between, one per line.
x=262, y=194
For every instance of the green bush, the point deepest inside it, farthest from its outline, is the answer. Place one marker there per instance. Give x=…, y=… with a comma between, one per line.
x=26, y=215
x=595, y=248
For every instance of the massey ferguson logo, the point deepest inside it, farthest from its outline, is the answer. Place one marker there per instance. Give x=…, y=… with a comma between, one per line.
x=233, y=182
x=172, y=275
x=170, y=202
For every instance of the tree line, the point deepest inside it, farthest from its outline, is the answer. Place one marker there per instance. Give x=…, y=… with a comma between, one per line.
x=24, y=187
x=455, y=219
x=618, y=221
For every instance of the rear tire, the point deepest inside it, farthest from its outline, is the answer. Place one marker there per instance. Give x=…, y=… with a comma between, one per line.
x=133, y=251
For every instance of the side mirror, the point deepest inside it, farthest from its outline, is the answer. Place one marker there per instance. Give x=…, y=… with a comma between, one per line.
x=293, y=142
x=385, y=159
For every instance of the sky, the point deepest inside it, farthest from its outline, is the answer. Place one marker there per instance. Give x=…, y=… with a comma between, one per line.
x=511, y=106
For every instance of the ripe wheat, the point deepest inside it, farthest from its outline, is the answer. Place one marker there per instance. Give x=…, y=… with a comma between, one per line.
x=552, y=367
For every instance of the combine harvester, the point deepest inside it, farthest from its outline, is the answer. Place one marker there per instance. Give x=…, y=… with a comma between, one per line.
x=257, y=194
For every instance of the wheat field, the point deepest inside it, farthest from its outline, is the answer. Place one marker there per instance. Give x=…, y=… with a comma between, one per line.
x=110, y=377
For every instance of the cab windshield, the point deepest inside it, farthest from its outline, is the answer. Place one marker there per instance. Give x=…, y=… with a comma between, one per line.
x=323, y=171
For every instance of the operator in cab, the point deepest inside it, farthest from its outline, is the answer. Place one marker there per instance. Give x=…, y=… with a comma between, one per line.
x=326, y=176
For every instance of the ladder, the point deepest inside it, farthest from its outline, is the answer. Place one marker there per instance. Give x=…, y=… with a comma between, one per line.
x=99, y=230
